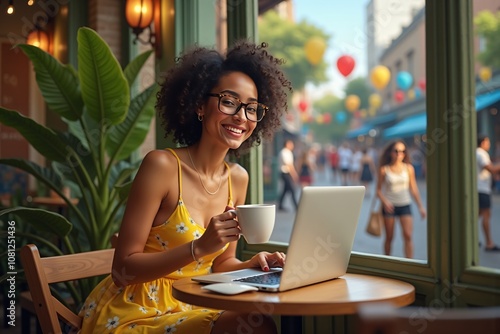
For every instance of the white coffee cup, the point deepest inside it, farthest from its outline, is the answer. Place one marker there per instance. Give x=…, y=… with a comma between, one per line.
x=256, y=221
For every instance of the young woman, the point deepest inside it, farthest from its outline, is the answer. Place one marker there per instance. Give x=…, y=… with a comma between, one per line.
x=395, y=185
x=176, y=222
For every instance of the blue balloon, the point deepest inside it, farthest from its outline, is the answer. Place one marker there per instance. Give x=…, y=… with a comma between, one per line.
x=404, y=80
x=341, y=117
x=418, y=92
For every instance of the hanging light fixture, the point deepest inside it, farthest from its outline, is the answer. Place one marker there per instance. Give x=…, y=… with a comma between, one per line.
x=10, y=9
x=38, y=38
x=31, y=2
x=140, y=15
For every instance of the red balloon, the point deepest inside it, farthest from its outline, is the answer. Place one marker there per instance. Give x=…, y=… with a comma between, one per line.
x=422, y=84
x=327, y=118
x=345, y=64
x=399, y=96
x=303, y=106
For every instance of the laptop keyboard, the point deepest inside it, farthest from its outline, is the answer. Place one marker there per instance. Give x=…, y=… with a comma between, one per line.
x=265, y=278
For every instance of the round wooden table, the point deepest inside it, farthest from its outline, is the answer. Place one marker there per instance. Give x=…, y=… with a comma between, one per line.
x=339, y=296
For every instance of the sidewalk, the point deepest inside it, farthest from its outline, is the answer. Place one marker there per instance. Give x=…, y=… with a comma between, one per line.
x=369, y=244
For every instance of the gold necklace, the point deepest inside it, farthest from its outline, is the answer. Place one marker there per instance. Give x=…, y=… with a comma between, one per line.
x=199, y=176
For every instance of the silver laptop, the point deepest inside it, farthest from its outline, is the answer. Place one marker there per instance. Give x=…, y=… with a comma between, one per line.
x=320, y=245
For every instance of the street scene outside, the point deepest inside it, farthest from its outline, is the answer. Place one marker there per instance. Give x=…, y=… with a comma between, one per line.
x=363, y=84
x=374, y=245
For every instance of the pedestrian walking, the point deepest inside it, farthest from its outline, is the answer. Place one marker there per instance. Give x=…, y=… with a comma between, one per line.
x=355, y=168
x=345, y=160
x=395, y=185
x=288, y=174
x=306, y=167
x=334, y=163
x=484, y=184
x=368, y=169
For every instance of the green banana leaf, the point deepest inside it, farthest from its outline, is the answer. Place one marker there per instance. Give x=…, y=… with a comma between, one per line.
x=126, y=137
x=122, y=172
x=124, y=190
x=43, y=139
x=134, y=67
x=104, y=128
x=83, y=129
x=42, y=220
x=105, y=90
x=58, y=83
x=67, y=169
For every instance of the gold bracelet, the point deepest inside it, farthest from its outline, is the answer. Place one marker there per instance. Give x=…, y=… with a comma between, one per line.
x=192, y=251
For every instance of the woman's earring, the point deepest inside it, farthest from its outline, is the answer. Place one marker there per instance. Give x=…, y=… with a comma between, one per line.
x=200, y=117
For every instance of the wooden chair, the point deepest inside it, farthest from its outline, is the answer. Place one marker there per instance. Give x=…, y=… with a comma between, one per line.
x=40, y=272
x=385, y=319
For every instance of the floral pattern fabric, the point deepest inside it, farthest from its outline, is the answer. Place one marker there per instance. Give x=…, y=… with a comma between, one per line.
x=150, y=307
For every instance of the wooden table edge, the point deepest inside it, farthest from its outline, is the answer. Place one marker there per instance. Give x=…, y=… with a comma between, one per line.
x=222, y=302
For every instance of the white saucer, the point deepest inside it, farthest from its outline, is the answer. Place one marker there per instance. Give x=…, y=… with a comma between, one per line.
x=229, y=288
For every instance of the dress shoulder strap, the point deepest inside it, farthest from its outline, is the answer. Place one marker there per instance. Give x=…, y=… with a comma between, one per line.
x=230, y=188
x=180, y=170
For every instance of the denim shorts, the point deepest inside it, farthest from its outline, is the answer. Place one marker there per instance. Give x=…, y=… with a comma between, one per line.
x=484, y=201
x=398, y=211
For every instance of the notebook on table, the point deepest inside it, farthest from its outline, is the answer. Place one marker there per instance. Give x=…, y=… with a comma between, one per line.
x=320, y=244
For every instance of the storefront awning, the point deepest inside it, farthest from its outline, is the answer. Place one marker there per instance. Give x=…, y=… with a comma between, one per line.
x=486, y=100
x=413, y=125
x=417, y=124
x=372, y=123
x=381, y=119
x=361, y=131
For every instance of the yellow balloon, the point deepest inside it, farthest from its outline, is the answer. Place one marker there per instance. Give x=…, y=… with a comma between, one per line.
x=315, y=49
x=352, y=103
x=380, y=76
x=375, y=101
x=411, y=94
x=485, y=74
x=319, y=119
x=363, y=113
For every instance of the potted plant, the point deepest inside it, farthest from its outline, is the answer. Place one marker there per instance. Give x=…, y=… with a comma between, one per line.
x=106, y=124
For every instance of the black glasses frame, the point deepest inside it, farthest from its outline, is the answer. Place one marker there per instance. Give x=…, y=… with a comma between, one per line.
x=220, y=96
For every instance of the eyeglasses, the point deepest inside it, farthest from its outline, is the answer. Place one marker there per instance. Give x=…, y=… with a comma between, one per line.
x=231, y=105
x=399, y=151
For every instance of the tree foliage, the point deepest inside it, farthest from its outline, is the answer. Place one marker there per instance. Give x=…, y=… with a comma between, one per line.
x=488, y=27
x=286, y=40
x=333, y=130
x=329, y=103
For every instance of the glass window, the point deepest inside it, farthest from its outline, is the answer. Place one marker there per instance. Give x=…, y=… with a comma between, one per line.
x=362, y=71
x=486, y=21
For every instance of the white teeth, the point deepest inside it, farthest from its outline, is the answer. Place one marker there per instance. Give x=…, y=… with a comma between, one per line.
x=239, y=131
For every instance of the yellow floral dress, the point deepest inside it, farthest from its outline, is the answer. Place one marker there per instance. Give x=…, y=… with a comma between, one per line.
x=150, y=307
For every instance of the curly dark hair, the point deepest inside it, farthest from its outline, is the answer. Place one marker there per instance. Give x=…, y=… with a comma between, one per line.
x=386, y=158
x=186, y=86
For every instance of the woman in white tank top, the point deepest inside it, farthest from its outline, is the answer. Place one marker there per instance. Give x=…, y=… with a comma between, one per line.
x=395, y=186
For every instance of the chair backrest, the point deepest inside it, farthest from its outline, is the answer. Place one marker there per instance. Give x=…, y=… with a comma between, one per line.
x=386, y=319
x=40, y=272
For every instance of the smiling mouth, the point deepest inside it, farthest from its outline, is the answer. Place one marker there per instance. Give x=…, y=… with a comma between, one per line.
x=235, y=130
